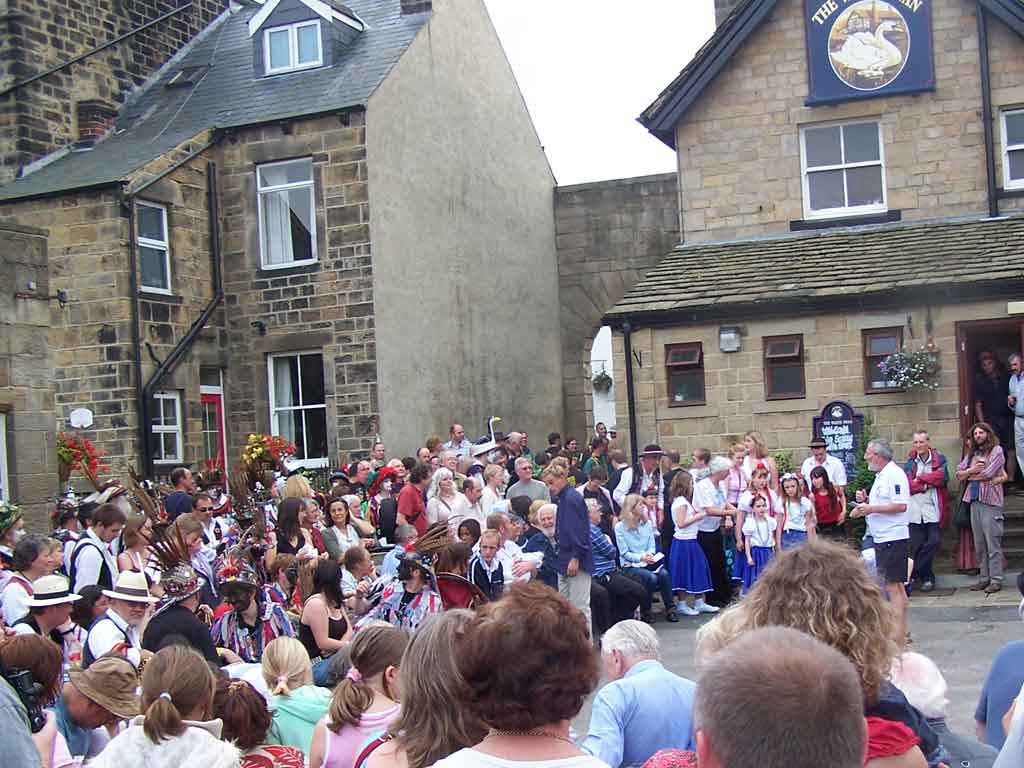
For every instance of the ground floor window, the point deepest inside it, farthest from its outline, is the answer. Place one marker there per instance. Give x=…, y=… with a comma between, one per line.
x=784, y=367
x=879, y=343
x=684, y=371
x=298, y=404
x=165, y=430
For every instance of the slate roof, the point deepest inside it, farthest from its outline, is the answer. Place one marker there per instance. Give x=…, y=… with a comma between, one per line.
x=230, y=95
x=1010, y=12
x=830, y=270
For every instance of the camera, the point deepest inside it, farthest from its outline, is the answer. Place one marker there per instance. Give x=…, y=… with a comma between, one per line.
x=29, y=691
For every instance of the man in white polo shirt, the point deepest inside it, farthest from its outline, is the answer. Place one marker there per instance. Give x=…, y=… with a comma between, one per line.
x=820, y=458
x=888, y=522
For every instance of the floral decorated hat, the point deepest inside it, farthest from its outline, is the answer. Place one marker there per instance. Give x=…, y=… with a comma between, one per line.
x=9, y=515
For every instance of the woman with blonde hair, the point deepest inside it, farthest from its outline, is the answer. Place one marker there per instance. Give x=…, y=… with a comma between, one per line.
x=176, y=727
x=442, y=496
x=297, y=704
x=433, y=722
x=297, y=487
x=757, y=453
x=494, y=476
x=365, y=702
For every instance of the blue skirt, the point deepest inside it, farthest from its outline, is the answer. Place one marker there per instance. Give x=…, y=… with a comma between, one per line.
x=739, y=563
x=762, y=556
x=689, y=568
x=792, y=539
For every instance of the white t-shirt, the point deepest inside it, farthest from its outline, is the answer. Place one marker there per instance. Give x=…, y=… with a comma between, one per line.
x=747, y=499
x=471, y=758
x=834, y=468
x=761, y=533
x=796, y=514
x=15, y=600
x=890, y=487
x=681, y=509
x=707, y=494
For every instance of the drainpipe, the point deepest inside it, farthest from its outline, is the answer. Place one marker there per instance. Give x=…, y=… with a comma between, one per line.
x=143, y=392
x=627, y=345
x=986, y=114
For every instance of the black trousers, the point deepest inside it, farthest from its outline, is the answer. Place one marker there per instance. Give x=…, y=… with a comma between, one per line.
x=711, y=543
x=600, y=608
x=924, y=543
x=625, y=595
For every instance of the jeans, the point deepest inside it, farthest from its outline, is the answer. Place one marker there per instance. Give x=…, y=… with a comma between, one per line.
x=576, y=589
x=987, y=526
x=322, y=671
x=924, y=543
x=1018, y=435
x=792, y=539
x=661, y=581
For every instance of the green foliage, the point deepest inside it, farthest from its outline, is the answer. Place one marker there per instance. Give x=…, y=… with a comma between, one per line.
x=863, y=477
x=602, y=382
x=784, y=462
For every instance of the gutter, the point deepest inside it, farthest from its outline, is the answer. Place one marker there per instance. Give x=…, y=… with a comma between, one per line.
x=986, y=114
x=627, y=341
x=144, y=392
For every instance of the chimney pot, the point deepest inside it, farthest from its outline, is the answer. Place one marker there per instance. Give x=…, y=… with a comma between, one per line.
x=95, y=119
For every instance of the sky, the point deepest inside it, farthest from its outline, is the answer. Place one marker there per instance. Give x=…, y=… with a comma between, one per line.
x=587, y=68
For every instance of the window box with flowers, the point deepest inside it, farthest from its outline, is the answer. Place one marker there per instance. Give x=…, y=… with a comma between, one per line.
x=913, y=369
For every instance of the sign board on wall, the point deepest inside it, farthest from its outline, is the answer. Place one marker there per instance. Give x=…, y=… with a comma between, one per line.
x=842, y=429
x=862, y=49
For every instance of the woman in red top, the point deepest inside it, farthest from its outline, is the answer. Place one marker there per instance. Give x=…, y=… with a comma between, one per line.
x=829, y=507
x=411, y=508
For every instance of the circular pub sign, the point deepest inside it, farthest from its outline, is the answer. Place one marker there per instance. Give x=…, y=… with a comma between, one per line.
x=869, y=44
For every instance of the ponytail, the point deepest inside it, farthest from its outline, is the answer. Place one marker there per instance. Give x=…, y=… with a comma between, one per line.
x=285, y=666
x=162, y=720
x=375, y=649
x=281, y=686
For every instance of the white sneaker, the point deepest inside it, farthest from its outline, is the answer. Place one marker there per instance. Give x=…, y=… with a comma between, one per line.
x=701, y=607
x=686, y=610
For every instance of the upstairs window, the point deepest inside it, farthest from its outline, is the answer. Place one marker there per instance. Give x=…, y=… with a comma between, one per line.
x=286, y=213
x=784, y=367
x=291, y=47
x=1013, y=149
x=843, y=170
x=154, y=248
x=879, y=343
x=684, y=369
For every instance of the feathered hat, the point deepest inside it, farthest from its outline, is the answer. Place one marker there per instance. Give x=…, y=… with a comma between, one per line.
x=236, y=569
x=387, y=473
x=178, y=578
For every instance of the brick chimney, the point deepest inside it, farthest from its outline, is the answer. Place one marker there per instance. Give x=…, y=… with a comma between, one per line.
x=95, y=118
x=416, y=6
x=723, y=8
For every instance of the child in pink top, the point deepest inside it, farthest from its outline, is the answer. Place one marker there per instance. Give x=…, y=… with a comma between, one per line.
x=365, y=702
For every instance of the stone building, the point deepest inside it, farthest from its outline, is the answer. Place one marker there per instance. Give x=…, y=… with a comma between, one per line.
x=310, y=221
x=822, y=231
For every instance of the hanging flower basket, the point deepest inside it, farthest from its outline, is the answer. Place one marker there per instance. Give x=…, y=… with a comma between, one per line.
x=602, y=382
x=913, y=370
x=77, y=453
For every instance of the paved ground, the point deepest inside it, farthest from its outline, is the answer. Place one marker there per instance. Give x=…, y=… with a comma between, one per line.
x=960, y=630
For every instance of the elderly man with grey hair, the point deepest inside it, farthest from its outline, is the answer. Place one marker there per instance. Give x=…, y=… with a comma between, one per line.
x=778, y=698
x=644, y=707
x=535, y=490
x=924, y=686
x=886, y=509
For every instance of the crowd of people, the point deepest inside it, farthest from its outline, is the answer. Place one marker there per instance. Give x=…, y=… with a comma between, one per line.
x=458, y=607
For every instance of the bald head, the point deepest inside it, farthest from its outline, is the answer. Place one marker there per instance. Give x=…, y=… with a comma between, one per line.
x=780, y=683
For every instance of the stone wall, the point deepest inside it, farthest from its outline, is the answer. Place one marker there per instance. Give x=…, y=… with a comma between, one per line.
x=609, y=234
x=739, y=144
x=39, y=34
x=326, y=307
x=26, y=370
x=834, y=370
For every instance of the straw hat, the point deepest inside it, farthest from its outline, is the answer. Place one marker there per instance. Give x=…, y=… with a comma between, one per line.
x=110, y=682
x=131, y=586
x=51, y=590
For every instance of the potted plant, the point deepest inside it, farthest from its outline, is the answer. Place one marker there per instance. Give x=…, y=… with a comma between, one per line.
x=602, y=382
x=913, y=369
x=77, y=453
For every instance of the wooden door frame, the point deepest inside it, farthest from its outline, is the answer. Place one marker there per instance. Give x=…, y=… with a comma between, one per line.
x=218, y=392
x=963, y=327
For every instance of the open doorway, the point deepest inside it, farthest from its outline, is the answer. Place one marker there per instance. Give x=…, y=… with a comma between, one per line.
x=603, y=386
x=977, y=340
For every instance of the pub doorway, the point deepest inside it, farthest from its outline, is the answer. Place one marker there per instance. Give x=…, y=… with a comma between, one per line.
x=999, y=337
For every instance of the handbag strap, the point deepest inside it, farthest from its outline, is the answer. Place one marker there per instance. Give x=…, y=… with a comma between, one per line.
x=369, y=750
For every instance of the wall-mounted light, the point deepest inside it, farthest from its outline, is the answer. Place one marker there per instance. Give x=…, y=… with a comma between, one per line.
x=729, y=338
x=260, y=326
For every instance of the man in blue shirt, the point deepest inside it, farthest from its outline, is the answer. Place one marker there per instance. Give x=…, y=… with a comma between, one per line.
x=102, y=694
x=1002, y=685
x=645, y=707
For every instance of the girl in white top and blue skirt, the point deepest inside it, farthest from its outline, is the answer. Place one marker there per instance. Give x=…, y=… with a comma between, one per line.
x=758, y=540
x=687, y=563
x=798, y=514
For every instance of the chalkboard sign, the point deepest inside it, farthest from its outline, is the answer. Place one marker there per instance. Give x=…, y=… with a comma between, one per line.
x=842, y=430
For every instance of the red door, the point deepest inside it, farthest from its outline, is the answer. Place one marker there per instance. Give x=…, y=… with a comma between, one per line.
x=213, y=431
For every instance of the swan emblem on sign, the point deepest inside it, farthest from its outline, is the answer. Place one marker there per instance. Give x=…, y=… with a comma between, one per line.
x=873, y=44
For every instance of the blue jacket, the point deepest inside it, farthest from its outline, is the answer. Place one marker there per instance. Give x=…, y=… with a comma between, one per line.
x=603, y=552
x=541, y=543
x=572, y=531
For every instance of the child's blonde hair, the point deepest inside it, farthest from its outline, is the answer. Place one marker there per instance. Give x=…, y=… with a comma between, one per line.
x=286, y=666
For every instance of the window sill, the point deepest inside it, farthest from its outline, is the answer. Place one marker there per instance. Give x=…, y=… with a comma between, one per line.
x=803, y=225
x=298, y=268
x=1010, y=192
x=688, y=404
x=163, y=298
x=887, y=391
x=776, y=398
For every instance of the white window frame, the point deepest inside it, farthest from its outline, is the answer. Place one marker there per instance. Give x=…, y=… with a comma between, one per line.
x=161, y=429
x=274, y=410
x=1009, y=183
x=165, y=246
x=293, y=48
x=260, y=191
x=5, y=476
x=855, y=210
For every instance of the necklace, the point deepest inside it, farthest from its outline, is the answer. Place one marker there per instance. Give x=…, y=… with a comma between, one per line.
x=534, y=732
